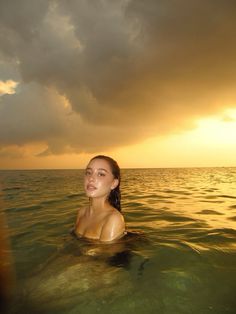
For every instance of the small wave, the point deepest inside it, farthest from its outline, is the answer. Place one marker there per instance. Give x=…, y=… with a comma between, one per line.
x=209, y=212
x=178, y=192
x=24, y=208
x=193, y=246
x=232, y=218
x=214, y=202
x=51, y=201
x=176, y=218
x=133, y=205
x=218, y=236
x=232, y=207
x=211, y=197
x=227, y=196
x=20, y=234
x=14, y=188
x=155, y=197
x=74, y=195
x=226, y=231
x=210, y=190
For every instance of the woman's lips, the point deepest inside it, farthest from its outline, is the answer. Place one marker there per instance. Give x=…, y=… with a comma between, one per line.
x=91, y=187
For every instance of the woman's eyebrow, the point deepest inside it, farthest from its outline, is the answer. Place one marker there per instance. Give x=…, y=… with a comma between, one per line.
x=103, y=169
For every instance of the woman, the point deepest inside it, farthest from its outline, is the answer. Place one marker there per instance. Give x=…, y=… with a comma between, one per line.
x=102, y=219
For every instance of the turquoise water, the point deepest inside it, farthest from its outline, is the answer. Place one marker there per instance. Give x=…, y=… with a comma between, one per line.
x=178, y=257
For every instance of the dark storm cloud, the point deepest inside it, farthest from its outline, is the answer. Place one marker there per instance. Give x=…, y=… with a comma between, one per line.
x=129, y=69
x=38, y=114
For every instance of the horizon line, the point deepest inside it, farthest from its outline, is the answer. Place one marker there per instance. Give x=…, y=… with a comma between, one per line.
x=125, y=168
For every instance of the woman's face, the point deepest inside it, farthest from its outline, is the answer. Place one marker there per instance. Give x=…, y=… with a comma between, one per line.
x=99, y=180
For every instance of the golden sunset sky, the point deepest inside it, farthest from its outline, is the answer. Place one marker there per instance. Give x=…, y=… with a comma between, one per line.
x=150, y=83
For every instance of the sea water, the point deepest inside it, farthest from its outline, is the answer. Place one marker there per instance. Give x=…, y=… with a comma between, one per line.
x=179, y=255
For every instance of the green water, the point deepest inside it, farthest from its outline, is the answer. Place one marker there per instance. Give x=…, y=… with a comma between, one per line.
x=178, y=257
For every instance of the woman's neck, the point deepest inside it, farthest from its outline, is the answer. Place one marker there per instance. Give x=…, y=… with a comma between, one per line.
x=98, y=205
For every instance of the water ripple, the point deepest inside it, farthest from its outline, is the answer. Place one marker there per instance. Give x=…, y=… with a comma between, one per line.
x=186, y=222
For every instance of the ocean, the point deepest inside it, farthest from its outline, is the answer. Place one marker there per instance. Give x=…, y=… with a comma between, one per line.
x=178, y=257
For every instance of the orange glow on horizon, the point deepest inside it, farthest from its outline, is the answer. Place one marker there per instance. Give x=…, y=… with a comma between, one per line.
x=211, y=144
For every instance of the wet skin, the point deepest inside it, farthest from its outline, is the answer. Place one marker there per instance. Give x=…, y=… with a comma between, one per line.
x=99, y=221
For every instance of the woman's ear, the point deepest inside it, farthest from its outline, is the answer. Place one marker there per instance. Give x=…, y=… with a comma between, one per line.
x=114, y=184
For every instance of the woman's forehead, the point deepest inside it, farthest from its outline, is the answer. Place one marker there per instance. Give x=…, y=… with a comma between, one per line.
x=99, y=163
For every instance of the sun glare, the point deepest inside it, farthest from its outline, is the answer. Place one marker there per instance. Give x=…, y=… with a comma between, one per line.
x=218, y=130
x=211, y=144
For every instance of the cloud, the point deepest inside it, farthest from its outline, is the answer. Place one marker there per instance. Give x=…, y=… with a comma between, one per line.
x=7, y=87
x=39, y=114
x=127, y=70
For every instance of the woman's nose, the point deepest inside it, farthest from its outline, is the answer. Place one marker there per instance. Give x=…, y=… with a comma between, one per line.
x=91, y=177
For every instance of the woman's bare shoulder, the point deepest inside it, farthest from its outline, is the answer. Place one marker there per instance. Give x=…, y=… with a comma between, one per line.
x=114, y=227
x=116, y=216
x=80, y=213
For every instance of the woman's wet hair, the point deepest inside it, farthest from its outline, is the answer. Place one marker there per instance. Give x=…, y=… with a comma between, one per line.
x=115, y=195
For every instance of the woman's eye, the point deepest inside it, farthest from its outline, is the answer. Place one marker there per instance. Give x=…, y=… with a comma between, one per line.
x=101, y=174
x=87, y=173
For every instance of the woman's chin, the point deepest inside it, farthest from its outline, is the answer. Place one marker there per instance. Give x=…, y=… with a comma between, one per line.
x=90, y=194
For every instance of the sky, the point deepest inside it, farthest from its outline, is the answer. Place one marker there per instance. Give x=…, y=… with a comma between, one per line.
x=150, y=83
